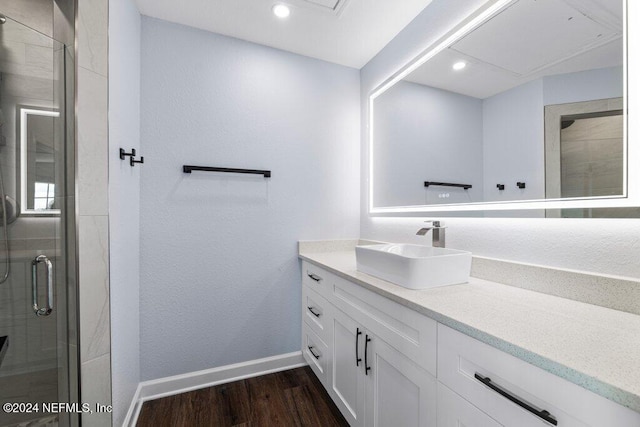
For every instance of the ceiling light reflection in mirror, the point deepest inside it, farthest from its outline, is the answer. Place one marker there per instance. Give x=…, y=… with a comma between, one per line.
x=282, y=11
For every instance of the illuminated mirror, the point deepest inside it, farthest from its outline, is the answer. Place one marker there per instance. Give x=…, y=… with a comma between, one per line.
x=37, y=161
x=523, y=106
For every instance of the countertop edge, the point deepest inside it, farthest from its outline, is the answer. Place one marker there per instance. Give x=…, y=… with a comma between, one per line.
x=589, y=382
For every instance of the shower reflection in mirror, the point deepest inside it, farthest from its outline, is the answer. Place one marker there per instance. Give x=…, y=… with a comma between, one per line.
x=37, y=161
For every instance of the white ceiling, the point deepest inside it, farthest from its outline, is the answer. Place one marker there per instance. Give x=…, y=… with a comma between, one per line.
x=528, y=40
x=346, y=32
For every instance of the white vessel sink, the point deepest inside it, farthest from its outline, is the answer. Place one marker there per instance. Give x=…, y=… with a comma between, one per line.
x=414, y=266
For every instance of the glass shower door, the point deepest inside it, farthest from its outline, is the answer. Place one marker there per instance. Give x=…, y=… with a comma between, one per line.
x=37, y=333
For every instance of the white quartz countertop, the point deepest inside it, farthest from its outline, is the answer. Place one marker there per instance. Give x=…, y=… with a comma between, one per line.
x=595, y=347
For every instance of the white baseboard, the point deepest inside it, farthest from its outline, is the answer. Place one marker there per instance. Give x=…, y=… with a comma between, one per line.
x=169, y=386
x=131, y=418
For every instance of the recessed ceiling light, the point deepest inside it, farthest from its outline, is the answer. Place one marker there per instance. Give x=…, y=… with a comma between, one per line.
x=281, y=10
x=459, y=65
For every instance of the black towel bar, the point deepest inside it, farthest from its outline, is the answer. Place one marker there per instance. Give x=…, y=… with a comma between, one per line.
x=189, y=169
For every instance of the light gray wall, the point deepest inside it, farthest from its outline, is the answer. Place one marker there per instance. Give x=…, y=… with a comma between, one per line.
x=124, y=202
x=513, y=131
x=220, y=278
x=584, y=86
x=426, y=134
x=600, y=246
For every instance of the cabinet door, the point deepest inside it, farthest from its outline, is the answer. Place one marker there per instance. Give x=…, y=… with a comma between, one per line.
x=398, y=392
x=347, y=378
x=454, y=411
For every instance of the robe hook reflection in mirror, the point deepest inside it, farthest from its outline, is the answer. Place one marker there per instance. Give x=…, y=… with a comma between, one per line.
x=521, y=185
x=500, y=186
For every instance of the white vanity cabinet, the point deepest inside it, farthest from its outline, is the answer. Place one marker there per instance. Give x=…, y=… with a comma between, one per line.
x=316, y=313
x=346, y=385
x=516, y=393
x=374, y=384
x=370, y=374
x=397, y=392
x=317, y=279
x=384, y=364
x=316, y=321
x=317, y=353
x=454, y=411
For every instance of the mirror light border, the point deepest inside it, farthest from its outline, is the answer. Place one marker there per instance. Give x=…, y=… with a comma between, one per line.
x=631, y=65
x=24, y=113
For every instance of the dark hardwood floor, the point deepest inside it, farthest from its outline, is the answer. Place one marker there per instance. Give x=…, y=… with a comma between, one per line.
x=288, y=398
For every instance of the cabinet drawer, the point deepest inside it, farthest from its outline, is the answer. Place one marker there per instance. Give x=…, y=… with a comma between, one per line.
x=317, y=279
x=316, y=353
x=454, y=411
x=464, y=362
x=316, y=313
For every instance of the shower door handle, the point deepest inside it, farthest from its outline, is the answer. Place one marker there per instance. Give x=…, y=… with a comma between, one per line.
x=45, y=311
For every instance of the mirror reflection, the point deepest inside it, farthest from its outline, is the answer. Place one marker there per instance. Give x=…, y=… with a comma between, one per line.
x=37, y=161
x=527, y=106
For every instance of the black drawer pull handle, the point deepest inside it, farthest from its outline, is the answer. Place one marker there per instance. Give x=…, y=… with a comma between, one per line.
x=367, y=368
x=358, y=358
x=313, y=312
x=314, y=277
x=311, y=351
x=541, y=413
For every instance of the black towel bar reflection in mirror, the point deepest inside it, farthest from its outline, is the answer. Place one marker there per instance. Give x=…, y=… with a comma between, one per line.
x=447, y=184
x=189, y=169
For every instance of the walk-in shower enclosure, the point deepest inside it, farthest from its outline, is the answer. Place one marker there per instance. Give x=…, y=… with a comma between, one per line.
x=38, y=359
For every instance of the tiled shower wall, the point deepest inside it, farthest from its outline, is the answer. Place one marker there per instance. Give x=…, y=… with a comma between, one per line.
x=92, y=206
